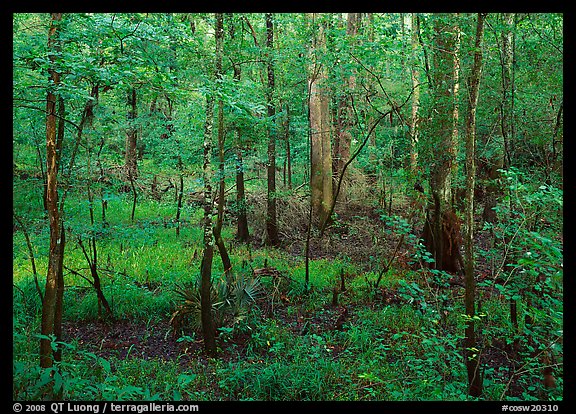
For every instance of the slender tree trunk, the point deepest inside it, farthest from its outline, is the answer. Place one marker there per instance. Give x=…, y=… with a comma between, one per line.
x=415, y=75
x=455, y=94
x=287, y=143
x=507, y=122
x=242, y=234
x=59, y=308
x=52, y=303
x=131, y=136
x=207, y=318
x=31, y=252
x=134, y=194
x=60, y=290
x=226, y=263
x=271, y=219
x=180, y=195
x=472, y=358
x=93, y=258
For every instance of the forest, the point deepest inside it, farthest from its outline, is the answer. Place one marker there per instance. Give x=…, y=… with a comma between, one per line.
x=287, y=207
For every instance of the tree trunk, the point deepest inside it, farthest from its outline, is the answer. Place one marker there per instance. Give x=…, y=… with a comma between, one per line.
x=455, y=91
x=226, y=263
x=53, y=300
x=472, y=358
x=288, y=170
x=60, y=134
x=507, y=120
x=93, y=260
x=415, y=74
x=442, y=229
x=320, y=146
x=207, y=318
x=243, y=233
x=52, y=303
x=271, y=219
x=180, y=193
x=131, y=137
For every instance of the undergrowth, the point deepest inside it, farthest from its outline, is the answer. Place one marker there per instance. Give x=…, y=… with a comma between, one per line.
x=400, y=339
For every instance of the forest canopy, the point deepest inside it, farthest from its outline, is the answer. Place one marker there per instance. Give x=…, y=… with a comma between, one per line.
x=288, y=206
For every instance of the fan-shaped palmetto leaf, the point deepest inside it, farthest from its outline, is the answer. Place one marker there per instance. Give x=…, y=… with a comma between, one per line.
x=228, y=298
x=190, y=307
x=244, y=292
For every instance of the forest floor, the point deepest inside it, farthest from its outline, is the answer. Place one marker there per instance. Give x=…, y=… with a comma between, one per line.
x=357, y=234
x=154, y=339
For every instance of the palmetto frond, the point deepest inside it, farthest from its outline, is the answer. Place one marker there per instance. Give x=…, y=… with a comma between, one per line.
x=232, y=298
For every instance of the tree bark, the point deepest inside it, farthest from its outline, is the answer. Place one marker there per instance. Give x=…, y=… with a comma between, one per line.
x=130, y=156
x=207, y=318
x=52, y=303
x=93, y=260
x=243, y=233
x=442, y=230
x=415, y=75
x=455, y=91
x=226, y=263
x=472, y=358
x=320, y=146
x=180, y=195
x=271, y=219
x=288, y=169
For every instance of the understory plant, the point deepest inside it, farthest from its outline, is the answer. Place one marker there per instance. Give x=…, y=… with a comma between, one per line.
x=231, y=301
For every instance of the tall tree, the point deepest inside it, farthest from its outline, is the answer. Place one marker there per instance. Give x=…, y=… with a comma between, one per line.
x=130, y=159
x=319, y=115
x=243, y=233
x=414, y=75
x=52, y=304
x=207, y=318
x=288, y=158
x=442, y=231
x=472, y=358
x=455, y=94
x=226, y=263
x=271, y=219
